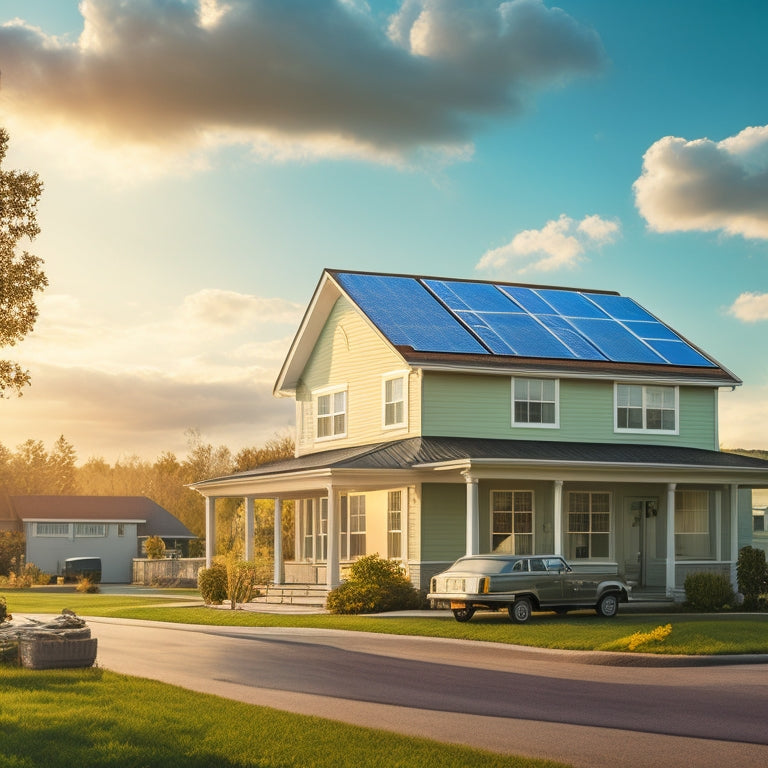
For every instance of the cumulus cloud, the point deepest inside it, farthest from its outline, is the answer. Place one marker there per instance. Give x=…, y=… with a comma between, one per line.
x=318, y=76
x=560, y=244
x=706, y=185
x=750, y=307
x=229, y=309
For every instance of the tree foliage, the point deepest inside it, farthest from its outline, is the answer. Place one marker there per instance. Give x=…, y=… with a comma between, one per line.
x=21, y=274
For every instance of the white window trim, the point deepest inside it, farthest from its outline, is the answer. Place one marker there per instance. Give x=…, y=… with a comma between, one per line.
x=513, y=491
x=64, y=535
x=83, y=525
x=317, y=393
x=611, y=526
x=534, y=425
x=391, y=376
x=644, y=430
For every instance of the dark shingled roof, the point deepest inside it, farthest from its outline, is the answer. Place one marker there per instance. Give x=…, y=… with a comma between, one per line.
x=153, y=520
x=414, y=451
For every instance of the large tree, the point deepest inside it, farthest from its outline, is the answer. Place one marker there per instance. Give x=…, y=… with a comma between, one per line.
x=21, y=274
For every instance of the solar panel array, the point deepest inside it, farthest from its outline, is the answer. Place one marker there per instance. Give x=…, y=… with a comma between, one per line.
x=452, y=316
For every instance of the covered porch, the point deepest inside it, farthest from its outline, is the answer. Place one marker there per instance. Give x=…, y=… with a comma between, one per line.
x=652, y=513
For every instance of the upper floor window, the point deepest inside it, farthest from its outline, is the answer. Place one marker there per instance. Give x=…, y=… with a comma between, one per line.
x=642, y=408
x=51, y=529
x=535, y=402
x=331, y=414
x=394, y=402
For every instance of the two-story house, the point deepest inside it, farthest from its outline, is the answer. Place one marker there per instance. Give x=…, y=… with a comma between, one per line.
x=439, y=417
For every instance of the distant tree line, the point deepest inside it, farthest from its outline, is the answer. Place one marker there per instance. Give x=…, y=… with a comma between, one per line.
x=33, y=470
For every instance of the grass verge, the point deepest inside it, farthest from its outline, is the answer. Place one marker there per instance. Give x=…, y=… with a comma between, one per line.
x=99, y=719
x=692, y=634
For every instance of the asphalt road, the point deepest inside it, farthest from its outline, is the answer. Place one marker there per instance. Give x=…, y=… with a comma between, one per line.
x=557, y=705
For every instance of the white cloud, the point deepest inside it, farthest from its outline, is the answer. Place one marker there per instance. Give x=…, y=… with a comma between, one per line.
x=228, y=309
x=160, y=81
x=706, y=185
x=743, y=415
x=750, y=307
x=560, y=244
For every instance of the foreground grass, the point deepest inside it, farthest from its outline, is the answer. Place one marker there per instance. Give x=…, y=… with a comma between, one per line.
x=99, y=719
x=692, y=634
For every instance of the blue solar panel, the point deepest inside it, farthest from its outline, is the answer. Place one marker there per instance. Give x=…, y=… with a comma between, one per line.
x=479, y=297
x=455, y=316
x=620, y=307
x=570, y=303
x=616, y=342
x=408, y=315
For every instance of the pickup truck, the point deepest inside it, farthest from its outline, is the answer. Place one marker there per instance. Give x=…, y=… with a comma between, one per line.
x=523, y=584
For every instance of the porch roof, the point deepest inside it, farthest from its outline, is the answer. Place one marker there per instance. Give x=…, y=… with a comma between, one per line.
x=434, y=452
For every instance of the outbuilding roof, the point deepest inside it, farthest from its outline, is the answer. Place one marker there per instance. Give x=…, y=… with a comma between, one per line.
x=152, y=519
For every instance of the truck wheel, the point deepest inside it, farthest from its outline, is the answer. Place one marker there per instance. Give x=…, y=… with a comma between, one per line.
x=520, y=611
x=463, y=614
x=608, y=605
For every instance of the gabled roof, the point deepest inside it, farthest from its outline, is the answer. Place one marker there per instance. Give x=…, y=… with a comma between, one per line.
x=152, y=519
x=479, y=325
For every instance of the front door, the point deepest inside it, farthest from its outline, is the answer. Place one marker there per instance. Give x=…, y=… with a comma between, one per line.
x=639, y=530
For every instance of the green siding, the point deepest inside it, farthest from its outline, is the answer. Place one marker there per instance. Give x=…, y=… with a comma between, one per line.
x=443, y=521
x=466, y=405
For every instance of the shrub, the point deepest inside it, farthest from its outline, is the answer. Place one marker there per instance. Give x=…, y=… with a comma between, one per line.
x=4, y=615
x=212, y=583
x=241, y=580
x=87, y=584
x=155, y=548
x=36, y=575
x=374, y=585
x=708, y=591
x=752, y=576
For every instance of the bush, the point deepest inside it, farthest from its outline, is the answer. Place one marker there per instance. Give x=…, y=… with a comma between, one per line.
x=241, y=580
x=752, y=576
x=4, y=615
x=708, y=591
x=212, y=583
x=374, y=585
x=36, y=575
x=87, y=584
x=155, y=548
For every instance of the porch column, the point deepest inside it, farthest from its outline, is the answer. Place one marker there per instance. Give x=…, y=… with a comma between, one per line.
x=279, y=573
x=332, y=570
x=558, y=521
x=248, y=528
x=734, y=535
x=670, y=578
x=210, y=530
x=473, y=516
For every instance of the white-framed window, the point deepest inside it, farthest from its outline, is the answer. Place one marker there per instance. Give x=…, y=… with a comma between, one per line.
x=52, y=529
x=692, y=530
x=322, y=530
x=331, y=414
x=395, y=524
x=308, y=528
x=352, y=526
x=394, y=398
x=512, y=522
x=642, y=408
x=121, y=529
x=589, y=525
x=90, y=529
x=535, y=402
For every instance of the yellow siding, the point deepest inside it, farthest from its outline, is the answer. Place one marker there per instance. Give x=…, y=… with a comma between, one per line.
x=350, y=353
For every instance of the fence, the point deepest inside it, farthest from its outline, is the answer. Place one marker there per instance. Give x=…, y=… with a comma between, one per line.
x=181, y=571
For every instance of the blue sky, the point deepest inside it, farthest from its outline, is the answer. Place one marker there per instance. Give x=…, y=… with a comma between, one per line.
x=204, y=162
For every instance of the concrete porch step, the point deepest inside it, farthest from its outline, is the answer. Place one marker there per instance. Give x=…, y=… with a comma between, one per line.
x=293, y=594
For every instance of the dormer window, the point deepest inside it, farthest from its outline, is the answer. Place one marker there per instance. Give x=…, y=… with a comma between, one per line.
x=642, y=408
x=331, y=410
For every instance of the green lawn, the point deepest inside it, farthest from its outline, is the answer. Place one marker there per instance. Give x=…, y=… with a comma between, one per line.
x=98, y=719
x=691, y=633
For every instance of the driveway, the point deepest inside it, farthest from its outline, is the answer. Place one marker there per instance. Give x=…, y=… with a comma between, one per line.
x=550, y=704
